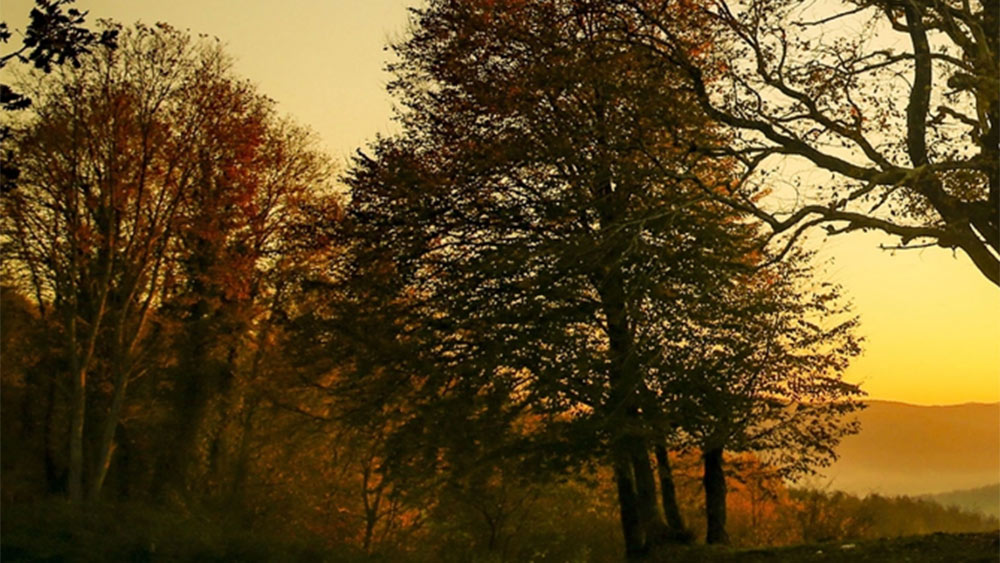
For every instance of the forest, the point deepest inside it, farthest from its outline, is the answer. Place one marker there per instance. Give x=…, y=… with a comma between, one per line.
x=551, y=319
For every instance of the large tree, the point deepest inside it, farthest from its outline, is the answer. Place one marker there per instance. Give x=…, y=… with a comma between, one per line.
x=243, y=241
x=104, y=166
x=898, y=101
x=536, y=213
x=151, y=179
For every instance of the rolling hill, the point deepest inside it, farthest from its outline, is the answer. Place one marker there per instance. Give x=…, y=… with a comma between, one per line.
x=981, y=499
x=914, y=450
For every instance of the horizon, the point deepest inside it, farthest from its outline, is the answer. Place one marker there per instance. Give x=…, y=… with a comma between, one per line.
x=962, y=404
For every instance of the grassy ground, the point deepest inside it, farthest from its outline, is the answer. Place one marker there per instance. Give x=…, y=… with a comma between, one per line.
x=933, y=548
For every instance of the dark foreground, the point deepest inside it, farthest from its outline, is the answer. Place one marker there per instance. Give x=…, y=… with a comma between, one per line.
x=54, y=533
x=933, y=548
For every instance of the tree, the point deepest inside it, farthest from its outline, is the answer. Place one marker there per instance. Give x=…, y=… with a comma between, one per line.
x=150, y=177
x=762, y=373
x=910, y=136
x=88, y=226
x=523, y=237
x=243, y=243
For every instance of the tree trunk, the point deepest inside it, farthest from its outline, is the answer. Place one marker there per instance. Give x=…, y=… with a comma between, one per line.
x=171, y=479
x=78, y=381
x=715, y=497
x=78, y=409
x=241, y=466
x=106, y=446
x=221, y=426
x=628, y=505
x=55, y=479
x=366, y=543
x=669, y=496
x=193, y=382
x=637, y=517
x=653, y=524
x=371, y=506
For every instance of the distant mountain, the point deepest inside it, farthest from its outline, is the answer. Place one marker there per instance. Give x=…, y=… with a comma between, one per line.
x=981, y=499
x=916, y=450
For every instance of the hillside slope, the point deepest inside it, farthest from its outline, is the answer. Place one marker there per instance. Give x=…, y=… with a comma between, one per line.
x=981, y=499
x=912, y=450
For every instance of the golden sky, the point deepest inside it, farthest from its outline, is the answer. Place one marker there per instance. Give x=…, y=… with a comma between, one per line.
x=931, y=321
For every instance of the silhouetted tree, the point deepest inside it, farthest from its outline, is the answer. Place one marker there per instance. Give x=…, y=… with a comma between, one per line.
x=535, y=216
x=909, y=134
x=759, y=370
x=89, y=225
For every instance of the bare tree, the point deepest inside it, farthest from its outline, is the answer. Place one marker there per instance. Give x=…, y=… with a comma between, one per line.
x=897, y=99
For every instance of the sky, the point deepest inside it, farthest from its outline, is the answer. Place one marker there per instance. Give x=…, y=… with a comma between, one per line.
x=931, y=321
